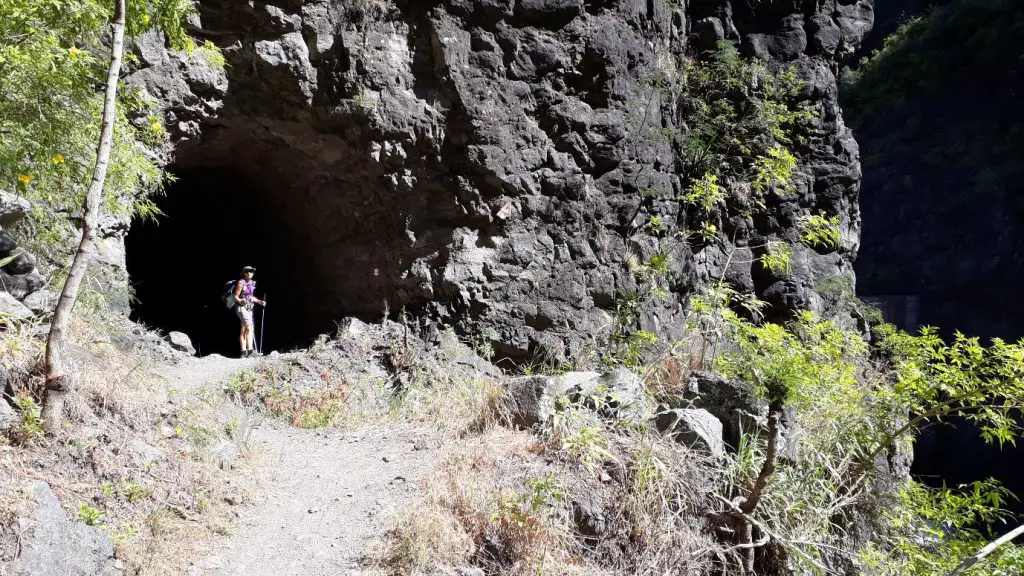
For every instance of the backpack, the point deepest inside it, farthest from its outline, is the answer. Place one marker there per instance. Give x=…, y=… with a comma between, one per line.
x=228, y=297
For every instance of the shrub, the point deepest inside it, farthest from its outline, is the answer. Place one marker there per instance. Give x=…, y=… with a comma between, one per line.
x=850, y=410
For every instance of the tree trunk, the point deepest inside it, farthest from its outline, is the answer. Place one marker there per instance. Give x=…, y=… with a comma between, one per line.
x=58, y=381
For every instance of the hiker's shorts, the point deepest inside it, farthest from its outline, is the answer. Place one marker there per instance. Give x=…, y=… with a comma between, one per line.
x=245, y=315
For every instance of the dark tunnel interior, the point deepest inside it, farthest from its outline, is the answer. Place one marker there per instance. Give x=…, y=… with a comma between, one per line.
x=214, y=222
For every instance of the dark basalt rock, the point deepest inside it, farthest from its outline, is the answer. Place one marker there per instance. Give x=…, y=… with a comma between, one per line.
x=472, y=161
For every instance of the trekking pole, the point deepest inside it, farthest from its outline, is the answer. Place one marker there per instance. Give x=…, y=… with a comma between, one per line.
x=263, y=320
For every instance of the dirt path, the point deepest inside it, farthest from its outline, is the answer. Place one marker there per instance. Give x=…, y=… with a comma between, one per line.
x=323, y=498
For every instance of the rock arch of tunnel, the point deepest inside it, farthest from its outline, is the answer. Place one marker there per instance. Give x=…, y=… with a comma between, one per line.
x=321, y=254
x=215, y=221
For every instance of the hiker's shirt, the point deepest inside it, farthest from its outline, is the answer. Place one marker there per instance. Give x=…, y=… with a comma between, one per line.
x=248, y=291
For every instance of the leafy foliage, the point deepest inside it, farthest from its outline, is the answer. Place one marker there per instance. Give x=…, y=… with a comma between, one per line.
x=51, y=65
x=704, y=192
x=778, y=258
x=820, y=230
x=850, y=409
x=934, y=529
x=742, y=121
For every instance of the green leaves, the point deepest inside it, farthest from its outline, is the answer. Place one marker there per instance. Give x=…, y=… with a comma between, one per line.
x=935, y=380
x=851, y=404
x=704, y=192
x=741, y=119
x=820, y=230
x=51, y=68
x=934, y=529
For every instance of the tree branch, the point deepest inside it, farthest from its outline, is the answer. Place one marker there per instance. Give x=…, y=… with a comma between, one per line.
x=988, y=549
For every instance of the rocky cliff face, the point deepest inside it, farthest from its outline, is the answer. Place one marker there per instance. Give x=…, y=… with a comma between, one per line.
x=476, y=159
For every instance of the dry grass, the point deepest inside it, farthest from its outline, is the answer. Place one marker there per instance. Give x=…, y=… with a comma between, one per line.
x=329, y=386
x=493, y=503
x=585, y=496
x=143, y=464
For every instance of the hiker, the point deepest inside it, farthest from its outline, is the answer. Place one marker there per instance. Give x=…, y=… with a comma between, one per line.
x=245, y=297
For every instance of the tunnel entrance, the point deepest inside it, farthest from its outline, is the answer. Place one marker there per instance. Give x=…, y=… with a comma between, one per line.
x=217, y=220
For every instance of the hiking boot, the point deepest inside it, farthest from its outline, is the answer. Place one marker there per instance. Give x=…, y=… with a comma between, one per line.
x=245, y=353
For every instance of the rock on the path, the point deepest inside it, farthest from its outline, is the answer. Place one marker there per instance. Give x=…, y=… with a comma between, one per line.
x=181, y=342
x=11, y=308
x=147, y=454
x=51, y=544
x=225, y=453
x=530, y=400
x=693, y=427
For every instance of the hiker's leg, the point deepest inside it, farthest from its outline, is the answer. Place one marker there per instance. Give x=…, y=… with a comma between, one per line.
x=245, y=337
x=242, y=338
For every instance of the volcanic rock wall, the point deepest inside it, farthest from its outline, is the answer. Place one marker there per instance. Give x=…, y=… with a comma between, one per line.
x=475, y=160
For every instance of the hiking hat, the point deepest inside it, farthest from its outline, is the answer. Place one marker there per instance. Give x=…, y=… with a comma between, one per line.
x=248, y=269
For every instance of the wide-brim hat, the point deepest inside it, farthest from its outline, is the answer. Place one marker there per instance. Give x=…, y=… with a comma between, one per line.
x=248, y=269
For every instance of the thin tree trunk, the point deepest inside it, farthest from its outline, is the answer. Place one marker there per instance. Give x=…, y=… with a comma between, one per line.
x=58, y=382
x=768, y=468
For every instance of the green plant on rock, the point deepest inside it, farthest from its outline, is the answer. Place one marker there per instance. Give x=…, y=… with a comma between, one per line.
x=704, y=192
x=774, y=169
x=778, y=258
x=656, y=226
x=820, y=230
x=208, y=53
x=742, y=118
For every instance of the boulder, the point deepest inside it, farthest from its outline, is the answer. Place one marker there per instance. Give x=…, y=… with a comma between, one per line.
x=12, y=208
x=692, y=427
x=41, y=301
x=616, y=394
x=21, y=285
x=8, y=417
x=181, y=342
x=479, y=365
x=732, y=402
x=11, y=308
x=7, y=244
x=531, y=400
x=52, y=544
x=22, y=263
x=588, y=516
